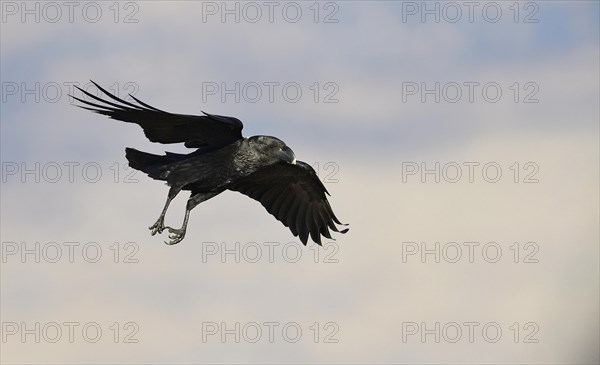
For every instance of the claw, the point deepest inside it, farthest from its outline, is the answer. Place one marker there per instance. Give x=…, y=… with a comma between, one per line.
x=157, y=227
x=175, y=236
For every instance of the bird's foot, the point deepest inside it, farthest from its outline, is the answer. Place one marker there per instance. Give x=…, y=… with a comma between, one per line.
x=175, y=236
x=157, y=227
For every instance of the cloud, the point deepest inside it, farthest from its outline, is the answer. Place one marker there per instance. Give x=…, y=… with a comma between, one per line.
x=365, y=287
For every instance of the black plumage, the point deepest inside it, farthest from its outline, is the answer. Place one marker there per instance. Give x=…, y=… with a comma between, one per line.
x=261, y=167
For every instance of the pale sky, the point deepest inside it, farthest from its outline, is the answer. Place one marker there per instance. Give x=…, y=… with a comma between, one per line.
x=459, y=141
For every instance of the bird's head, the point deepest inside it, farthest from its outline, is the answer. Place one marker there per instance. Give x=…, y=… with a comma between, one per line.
x=274, y=148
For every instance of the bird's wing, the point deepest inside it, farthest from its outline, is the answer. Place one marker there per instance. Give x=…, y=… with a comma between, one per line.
x=159, y=126
x=295, y=196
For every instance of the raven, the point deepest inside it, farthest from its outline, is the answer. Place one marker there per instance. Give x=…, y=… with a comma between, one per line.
x=261, y=167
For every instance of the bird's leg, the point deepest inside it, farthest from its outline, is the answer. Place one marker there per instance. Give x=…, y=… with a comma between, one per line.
x=177, y=235
x=159, y=225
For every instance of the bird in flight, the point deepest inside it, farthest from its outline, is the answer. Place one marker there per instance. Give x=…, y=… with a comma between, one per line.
x=261, y=167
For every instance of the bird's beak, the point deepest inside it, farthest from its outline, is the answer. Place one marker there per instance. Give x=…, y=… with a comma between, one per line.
x=287, y=155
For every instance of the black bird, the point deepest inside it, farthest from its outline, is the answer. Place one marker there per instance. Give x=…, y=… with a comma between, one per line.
x=261, y=167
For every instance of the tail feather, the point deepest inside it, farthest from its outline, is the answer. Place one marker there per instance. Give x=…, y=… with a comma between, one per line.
x=154, y=165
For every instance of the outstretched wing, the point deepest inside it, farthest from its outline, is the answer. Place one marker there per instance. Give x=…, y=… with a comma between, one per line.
x=159, y=126
x=295, y=196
